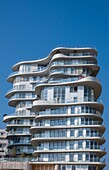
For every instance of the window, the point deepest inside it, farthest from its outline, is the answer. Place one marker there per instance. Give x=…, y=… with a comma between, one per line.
x=63, y=167
x=72, y=132
x=87, y=132
x=87, y=157
x=82, y=121
x=31, y=121
x=72, y=120
x=75, y=99
x=80, y=132
x=59, y=94
x=44, y=94
x=52, y=123
x=79, y=156
x=73, y=89
x=80, y=144
x=87, y=144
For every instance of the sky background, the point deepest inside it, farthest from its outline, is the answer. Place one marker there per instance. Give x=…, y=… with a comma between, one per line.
x=30, y=29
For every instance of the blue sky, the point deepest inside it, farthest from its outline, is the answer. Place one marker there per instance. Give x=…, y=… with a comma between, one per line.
x=30, y=29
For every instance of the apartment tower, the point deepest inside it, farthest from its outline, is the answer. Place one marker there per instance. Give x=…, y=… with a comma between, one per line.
x=68, y=130
x=21, y=97
x=57, y=98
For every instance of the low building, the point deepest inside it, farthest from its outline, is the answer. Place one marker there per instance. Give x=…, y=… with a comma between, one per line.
x=3, y=143
x=9, y=165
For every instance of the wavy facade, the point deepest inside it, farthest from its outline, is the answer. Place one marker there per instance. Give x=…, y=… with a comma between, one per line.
x=69, y=132
x=21, y=97
x=57, y=98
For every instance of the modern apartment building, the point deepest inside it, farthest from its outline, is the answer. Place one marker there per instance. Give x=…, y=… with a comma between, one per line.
x=69, y=132
x=21, y=97
x=3, y=143
x=57, y=98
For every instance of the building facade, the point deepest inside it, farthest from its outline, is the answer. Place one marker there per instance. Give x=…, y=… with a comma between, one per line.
x=3, y=143
x=69, y=132
x=57, y=98
x=18, y=123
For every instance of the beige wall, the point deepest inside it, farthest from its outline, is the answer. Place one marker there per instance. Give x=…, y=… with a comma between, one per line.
x=15, y=166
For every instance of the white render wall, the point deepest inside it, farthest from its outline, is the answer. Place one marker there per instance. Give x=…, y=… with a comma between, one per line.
x=68, y=95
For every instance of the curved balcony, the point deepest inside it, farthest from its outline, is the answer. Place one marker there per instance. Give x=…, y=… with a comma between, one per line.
x=70, y=61
x=14, y=99
x=50, y=116
x=18, y=89
x=37, y=104
x=61, y=50
x=71, y=54
x=74, y=110
x=75, y=61
x=26, y=151
x=17, y=143
x=10, y=126
x=35, y=141
x=12, y=76
x=8, y=118
x=75, y=70
x=101, y=153
x=64, y=133
x=36, y=129
x=61, y=78
x=17, y=133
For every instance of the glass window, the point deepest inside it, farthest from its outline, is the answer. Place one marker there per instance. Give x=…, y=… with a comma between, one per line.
x=87, y=157
x=80, y=144
x=87, y=132
x=75, y=99
x=73, y=89
x=72, y=120
x=82, y=121
x=72, y=109
x=80, y=132
x=87, y=144
x=63, y=167
x=72, y=132
x=82, y=109
x=79, y=156
x=52, y=122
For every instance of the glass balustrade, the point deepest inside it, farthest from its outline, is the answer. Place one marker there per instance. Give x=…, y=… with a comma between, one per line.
x=78, y=54
x=89, y=157
x=21, y=89
x=74, y=100
x=73, y=145
x=18, y=142
x=36, y=79
x=73, y=62
x=72, y=121
x=21, y=95
x=28, y=71
x=64, y=133
x=61, y=80
x=18, y=132
x=20, y=123
x=80, y=71
x=21, y=113
x=80, y=109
